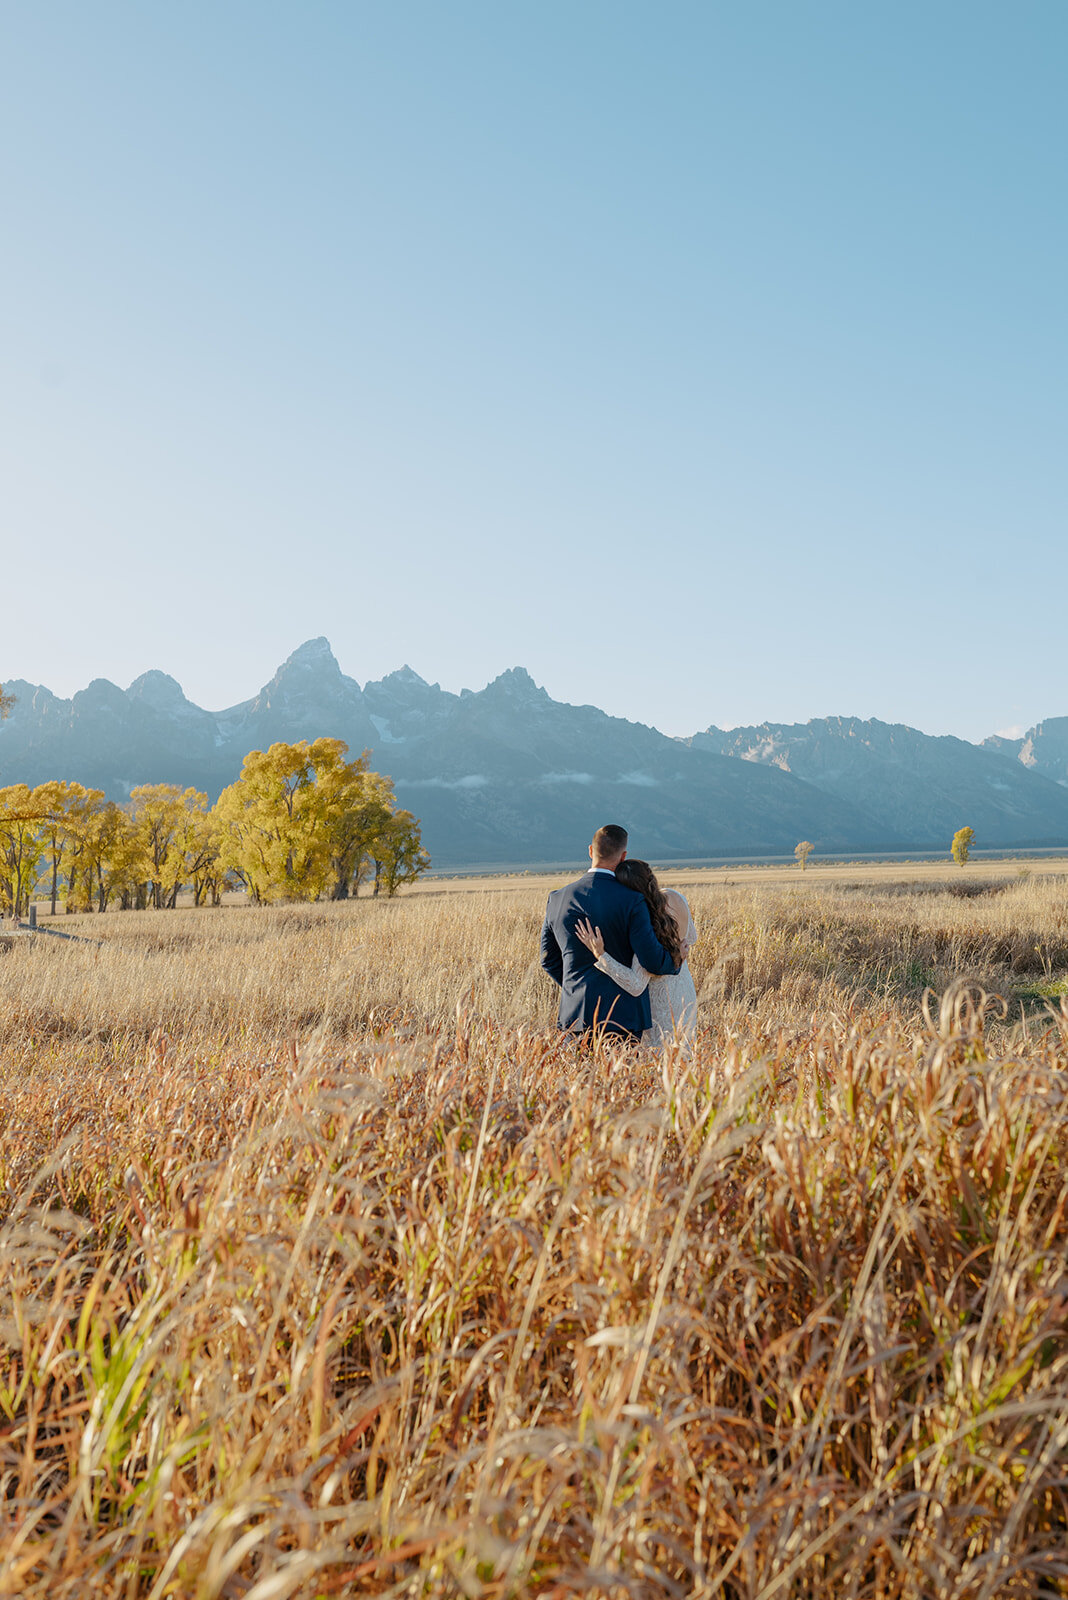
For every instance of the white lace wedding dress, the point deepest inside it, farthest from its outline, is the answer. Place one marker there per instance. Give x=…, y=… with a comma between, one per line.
x=672, y=1000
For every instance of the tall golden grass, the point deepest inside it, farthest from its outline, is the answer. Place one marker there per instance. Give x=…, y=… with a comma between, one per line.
x=329, y=1269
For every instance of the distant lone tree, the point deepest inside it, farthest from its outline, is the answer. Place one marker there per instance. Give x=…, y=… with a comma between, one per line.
x=963, y=840
x=802, y=851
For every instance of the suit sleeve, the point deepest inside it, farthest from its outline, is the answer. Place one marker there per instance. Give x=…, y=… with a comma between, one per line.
x=552, y=958
x=645, y=944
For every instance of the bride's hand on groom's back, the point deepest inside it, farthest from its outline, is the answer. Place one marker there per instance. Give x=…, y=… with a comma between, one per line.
x=590, y=936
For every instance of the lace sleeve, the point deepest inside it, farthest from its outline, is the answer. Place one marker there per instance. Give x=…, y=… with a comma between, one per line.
x=633, y=979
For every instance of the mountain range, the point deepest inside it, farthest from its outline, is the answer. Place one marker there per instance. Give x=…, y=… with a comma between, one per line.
x=506, y=775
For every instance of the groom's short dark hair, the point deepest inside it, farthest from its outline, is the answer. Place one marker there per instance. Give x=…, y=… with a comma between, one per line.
x=609, y=841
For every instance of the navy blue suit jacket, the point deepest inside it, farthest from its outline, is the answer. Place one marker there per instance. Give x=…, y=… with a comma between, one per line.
x=587, y=995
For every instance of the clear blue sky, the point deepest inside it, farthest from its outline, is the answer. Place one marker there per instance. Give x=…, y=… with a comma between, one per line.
x=708, y=360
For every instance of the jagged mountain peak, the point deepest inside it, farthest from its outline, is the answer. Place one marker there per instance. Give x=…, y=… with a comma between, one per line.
x=316, y=649
x=507, y=773
x=313, y=656
x=157, y=689
x=310, y=675
x=100, y=691
x=406, y=675
x=517, y=682
x=1043, y=748
x=28, y=697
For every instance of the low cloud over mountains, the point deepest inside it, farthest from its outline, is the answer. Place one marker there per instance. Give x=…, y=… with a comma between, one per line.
x=508, y=775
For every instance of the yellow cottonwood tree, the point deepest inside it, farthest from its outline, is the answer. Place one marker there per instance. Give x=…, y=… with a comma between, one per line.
x=201, y=843
x=301, y=820
x=109, y=857
x=269, y=822
x=163, y=819
x=961, y=847
x=119, y=861
x=21, y=848
x=81, y=826
x=398, y=854
x=357, y=809
x=53, y=800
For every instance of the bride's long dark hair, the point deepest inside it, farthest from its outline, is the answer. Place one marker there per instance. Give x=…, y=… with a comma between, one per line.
x=639, y=875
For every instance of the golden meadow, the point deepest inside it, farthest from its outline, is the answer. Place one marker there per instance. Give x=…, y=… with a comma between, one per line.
x=329, y=1269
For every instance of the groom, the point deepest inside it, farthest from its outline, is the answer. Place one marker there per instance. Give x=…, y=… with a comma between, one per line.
x=588, y=997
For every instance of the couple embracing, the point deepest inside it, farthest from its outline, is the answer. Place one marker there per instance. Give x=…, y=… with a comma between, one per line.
x=616, y=943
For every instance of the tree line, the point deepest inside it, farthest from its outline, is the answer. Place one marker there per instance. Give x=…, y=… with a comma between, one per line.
x=301, y=823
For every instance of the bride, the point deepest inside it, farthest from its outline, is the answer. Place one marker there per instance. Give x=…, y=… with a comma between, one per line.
x=672, y=1000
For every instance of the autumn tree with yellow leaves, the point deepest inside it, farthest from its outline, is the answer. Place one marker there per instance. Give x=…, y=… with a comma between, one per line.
x=398, y=854
x=302, y=821
x=961, y=847
x=166, y=822
x=55, y=802
x=21, y=849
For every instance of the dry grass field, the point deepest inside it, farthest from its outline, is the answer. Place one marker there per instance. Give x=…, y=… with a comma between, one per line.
x=327, y=1268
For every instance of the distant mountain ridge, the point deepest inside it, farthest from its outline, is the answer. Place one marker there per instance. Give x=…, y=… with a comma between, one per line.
x=913, y=786
x=508, y=775
x=1043, y=749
